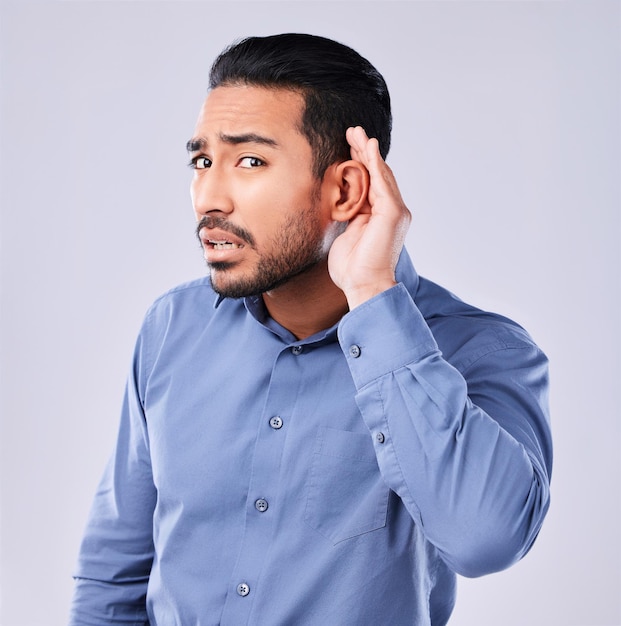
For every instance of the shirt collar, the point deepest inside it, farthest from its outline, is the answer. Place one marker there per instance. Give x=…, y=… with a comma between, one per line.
x=404, y=273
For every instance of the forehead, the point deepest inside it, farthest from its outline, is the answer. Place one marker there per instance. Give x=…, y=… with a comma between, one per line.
x=235, y=109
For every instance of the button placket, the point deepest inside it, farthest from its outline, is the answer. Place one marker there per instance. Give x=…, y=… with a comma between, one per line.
x=263, y=486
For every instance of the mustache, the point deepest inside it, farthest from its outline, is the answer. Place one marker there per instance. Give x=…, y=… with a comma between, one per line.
x=211, y=221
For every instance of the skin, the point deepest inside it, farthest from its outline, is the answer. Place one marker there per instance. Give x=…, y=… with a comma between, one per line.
x=333, y=243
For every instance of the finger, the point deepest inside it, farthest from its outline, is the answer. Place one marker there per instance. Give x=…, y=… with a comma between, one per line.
x=358, y=140
x=354, y=145
x=367, y=152
x=382, y=178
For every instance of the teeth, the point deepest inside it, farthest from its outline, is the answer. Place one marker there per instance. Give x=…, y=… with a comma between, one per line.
x=223, y=245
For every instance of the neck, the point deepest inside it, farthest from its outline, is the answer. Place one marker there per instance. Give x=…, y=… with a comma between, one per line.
x=307, y=303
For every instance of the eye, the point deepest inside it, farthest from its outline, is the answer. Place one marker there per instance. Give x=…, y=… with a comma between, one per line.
x=200, y=163
x=250, y=162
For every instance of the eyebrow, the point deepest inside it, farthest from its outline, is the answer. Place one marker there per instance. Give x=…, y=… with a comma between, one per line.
x=197, y=143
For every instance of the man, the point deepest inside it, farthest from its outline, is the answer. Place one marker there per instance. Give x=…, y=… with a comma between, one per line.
x=313, y=434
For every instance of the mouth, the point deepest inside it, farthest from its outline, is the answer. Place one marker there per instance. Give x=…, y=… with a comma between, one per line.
x=219, y=239
x=218, y=235
x=222, y=244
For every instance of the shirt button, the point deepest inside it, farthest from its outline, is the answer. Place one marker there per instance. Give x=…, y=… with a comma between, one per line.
x=297, y=350
x=380, y=437
x=261, y=505
x=276, y=422
x=355, y=351
x=243, y=589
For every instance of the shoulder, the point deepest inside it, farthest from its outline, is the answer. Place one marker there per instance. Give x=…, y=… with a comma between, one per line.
x=464, y=333
x=192, y=296
x=180, y=319
x=187, y=306
x=199, y=287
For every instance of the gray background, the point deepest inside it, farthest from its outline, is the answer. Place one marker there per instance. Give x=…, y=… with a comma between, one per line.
x=506, y=146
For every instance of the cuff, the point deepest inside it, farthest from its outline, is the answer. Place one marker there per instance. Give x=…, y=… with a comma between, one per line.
x=384, y=334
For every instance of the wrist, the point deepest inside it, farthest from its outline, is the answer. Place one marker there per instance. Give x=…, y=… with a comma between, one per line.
x=358, y=295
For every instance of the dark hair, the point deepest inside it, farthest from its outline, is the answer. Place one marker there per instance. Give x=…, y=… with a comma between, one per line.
x=340, y=88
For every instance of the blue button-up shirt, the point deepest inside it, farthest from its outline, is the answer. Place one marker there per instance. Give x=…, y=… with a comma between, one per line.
x=339, y=480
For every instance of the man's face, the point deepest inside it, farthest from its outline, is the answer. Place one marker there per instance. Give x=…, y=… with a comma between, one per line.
x=257, y=203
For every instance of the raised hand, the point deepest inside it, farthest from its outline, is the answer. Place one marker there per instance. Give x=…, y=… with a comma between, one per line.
x=362, y=260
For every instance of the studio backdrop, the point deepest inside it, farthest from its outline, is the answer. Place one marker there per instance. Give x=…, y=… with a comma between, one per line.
x=506, y=148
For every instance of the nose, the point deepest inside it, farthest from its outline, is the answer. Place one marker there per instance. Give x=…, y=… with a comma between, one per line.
x=210, y=192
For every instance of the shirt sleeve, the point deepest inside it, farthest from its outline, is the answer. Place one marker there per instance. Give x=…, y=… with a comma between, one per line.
x=468, y=452
x=116, y=554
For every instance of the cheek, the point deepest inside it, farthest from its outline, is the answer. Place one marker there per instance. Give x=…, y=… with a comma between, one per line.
x=267, y=203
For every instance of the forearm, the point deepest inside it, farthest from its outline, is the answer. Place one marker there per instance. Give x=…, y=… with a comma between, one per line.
x=464, y=456
x=116, y=553
x=125, y=603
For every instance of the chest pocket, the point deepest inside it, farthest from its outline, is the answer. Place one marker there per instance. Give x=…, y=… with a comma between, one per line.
x=345, y=493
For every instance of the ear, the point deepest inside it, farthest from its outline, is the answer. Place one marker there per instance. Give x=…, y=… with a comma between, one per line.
x=348, y=188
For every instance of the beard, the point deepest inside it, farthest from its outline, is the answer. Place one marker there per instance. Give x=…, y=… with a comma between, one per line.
x=297, y=248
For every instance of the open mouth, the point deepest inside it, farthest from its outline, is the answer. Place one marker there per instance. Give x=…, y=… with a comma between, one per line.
x=223, y=245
